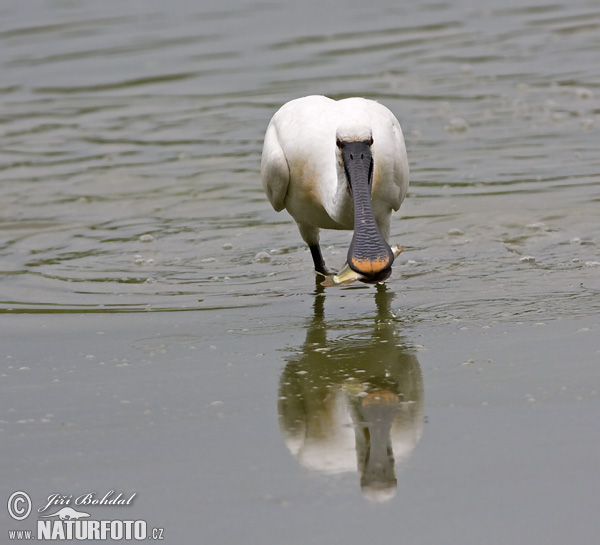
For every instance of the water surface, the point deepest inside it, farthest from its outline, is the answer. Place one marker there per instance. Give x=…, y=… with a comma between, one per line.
x=146, y=348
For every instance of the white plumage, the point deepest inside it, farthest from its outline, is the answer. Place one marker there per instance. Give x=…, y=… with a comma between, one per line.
x=304, y=171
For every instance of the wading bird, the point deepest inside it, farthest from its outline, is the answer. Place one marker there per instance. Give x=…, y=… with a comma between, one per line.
x=338, y=165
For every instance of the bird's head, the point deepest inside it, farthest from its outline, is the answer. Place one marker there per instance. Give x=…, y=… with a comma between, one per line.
x=369, y=254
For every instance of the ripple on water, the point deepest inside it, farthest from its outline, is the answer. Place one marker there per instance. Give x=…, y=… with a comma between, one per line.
x=131, y=149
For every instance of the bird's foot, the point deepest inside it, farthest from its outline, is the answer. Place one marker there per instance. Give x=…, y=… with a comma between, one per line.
x=319, y=262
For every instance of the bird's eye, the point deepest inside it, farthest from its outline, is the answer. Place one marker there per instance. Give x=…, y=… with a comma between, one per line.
x=371, y=141
x=338, y=143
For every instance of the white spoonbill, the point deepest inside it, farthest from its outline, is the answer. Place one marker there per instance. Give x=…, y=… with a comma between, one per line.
x=338, y=165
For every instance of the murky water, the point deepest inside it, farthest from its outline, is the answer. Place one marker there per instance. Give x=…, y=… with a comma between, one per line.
x=147, y=349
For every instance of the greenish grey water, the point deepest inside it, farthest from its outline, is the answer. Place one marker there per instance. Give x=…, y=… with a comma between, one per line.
x=146, y=349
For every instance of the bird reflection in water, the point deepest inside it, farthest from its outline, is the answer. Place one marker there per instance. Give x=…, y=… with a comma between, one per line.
x=353, y=402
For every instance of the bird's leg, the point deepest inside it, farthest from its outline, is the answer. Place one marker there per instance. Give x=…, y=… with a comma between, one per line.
x=310, y=235
x=315, y=251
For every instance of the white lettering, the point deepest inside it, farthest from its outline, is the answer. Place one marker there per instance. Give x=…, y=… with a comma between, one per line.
x=55, y=499
x=104, y=528
x=94, y=529
x=68, y=528
x=139, y=529
x=44, y=529
x=105, y=500
x=116, y=529
x=58, y=531
x=85, y=499
x=82, y=530
x=91, y=499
